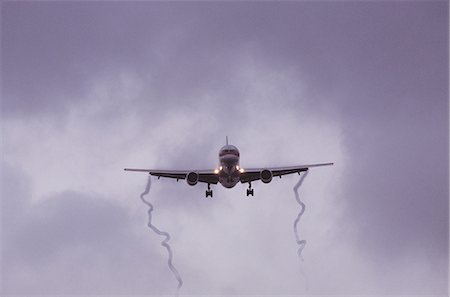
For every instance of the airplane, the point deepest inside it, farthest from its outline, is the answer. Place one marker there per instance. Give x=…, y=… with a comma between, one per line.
x=229, y=172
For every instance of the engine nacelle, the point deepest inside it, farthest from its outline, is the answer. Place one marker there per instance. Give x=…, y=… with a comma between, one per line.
x=266, y=176
x=192, y=178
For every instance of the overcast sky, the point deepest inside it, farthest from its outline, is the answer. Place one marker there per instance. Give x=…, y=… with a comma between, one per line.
x=89, y=88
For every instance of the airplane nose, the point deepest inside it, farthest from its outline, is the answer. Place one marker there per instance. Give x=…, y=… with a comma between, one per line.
x=229, y=159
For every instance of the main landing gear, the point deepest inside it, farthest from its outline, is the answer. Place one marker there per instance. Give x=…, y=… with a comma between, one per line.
x=209, y=191
x=250, y=190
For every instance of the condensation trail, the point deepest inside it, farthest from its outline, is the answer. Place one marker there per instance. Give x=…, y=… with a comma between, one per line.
x=164, y=243
x=300, y=242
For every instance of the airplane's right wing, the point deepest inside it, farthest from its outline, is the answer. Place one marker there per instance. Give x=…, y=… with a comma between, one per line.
x=204, y=176
x=253, y=174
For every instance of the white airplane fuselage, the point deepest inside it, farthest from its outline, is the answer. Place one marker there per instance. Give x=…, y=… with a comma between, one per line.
x=229, y=166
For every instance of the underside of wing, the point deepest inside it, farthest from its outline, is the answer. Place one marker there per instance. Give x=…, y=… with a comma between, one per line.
x=204, y=176
x=266, y=174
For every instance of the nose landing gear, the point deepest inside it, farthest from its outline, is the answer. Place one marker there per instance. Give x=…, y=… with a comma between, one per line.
x=250, y=190
x=209, y=192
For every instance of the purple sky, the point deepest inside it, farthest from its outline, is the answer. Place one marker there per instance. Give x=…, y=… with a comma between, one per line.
x=89, y=88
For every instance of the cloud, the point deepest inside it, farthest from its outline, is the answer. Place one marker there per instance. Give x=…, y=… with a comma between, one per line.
x=163, y=91
x=74, y=243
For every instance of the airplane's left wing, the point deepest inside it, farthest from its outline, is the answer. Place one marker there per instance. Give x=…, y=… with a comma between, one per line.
x=253, y=174
x=204, y=176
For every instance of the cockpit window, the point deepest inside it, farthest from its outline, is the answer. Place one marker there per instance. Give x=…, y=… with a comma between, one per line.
x=227, y=152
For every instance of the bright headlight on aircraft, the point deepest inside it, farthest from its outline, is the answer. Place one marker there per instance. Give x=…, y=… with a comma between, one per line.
x=216, y=171
x=237, y=167
x=220, y=168
x=241, y=170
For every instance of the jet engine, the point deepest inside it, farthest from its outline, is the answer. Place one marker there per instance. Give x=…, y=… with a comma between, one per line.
x=192, y=178
x=266, y=176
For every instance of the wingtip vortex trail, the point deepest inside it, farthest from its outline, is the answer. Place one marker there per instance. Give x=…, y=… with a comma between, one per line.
x=164, y=243
x=301, y=242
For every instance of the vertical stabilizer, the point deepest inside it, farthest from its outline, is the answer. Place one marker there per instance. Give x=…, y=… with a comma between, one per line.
x=226, y=140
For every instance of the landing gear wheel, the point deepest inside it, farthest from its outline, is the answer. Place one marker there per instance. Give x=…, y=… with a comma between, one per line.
x=250, y=190
x=209, y=191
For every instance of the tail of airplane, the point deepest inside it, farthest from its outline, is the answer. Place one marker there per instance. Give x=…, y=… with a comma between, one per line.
x=226, y=140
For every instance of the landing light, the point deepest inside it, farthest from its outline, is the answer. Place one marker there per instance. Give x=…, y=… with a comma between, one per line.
x=241, y=170
x=220, y=168
x=237, y=167
x=216, y=171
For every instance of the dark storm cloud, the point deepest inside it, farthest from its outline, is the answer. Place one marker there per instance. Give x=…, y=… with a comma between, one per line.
x=69, y=231
x=186, y=74
x=61, y=47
